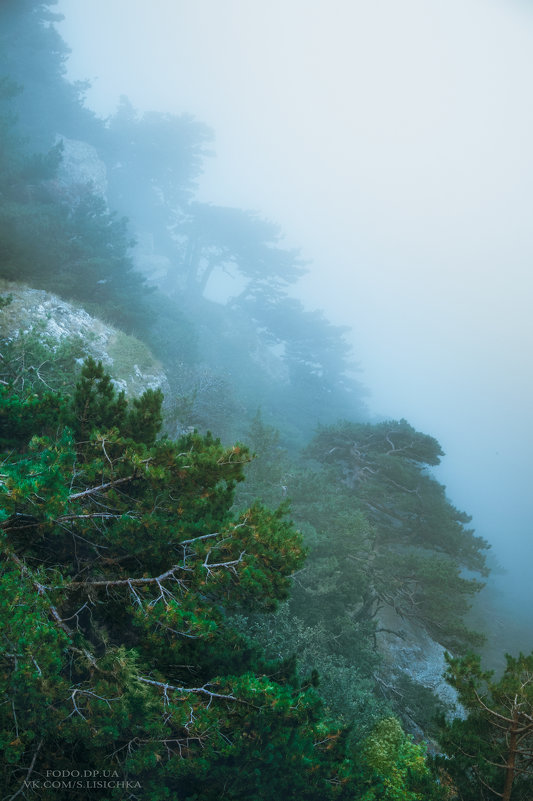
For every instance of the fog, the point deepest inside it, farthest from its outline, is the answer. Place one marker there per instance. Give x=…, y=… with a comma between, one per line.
x=392, y=142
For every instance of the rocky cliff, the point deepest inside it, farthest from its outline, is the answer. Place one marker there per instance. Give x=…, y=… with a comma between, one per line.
x=36, y=322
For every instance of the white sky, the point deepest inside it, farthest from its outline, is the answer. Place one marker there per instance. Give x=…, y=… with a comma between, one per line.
x=393, y=141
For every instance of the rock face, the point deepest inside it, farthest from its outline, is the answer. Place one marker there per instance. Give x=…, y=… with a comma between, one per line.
x=414, y=653
x=147, y=261
x=81, y=171
x=81, y=168
x=128, y=360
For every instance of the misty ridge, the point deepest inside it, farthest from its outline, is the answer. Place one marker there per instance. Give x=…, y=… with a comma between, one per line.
x=223, y=574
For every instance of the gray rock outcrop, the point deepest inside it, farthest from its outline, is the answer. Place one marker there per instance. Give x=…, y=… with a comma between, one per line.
x=129, y=361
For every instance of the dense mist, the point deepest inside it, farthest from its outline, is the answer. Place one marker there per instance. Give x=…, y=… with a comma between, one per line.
x=392, y=144
x=265, y=502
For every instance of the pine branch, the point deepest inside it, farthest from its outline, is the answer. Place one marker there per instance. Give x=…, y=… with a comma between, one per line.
x=101, y=487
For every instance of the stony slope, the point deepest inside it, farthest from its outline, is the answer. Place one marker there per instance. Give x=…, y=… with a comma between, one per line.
x=56, y=322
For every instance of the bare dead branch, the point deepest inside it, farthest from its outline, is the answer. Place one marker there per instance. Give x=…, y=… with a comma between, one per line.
x=201, y=690
x=28, y=774
x=101, y=487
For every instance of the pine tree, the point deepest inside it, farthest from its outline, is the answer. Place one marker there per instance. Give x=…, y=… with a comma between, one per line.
x=489, y=753
x=121, y=559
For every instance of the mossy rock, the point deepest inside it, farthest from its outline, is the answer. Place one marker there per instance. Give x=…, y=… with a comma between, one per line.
x=49, y=338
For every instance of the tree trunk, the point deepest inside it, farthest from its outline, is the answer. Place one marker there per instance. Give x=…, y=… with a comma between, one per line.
x=511, y=759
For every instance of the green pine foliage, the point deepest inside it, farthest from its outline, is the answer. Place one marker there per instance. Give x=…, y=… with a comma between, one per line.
x=121, y=558
x=373, y=553
x=488, y=753
x=414, y=553
x=77, y=248
x=32, y=50
x=396, y=767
